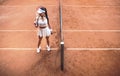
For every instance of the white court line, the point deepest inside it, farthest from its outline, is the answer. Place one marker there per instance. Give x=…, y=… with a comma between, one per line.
x=22, y=31
x=57, y=5
x=9, y=6
x=91, y=30
x=69, y=49
x=18, y=30
x=63, y=30
x=93, y=49
x=91, y=6
x=23, y=49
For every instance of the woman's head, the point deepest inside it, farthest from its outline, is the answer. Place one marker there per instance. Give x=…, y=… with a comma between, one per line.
x=45, y=12
x=41, y=12
x=43, y=8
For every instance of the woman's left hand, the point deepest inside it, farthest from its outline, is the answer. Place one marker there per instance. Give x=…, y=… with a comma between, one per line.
x=51, y=31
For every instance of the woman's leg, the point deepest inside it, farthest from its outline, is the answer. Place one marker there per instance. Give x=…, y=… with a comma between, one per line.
x=39, y=41
x=48, y=42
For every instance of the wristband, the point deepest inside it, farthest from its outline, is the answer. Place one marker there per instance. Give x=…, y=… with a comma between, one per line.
x=34, y=21
x=51, y=30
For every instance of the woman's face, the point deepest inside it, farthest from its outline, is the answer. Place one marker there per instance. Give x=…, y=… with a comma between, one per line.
x=42, y=14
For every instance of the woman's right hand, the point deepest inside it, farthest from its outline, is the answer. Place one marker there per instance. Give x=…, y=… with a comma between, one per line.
x=35, y=24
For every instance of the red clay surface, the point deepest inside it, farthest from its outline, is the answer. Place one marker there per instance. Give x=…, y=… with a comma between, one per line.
x=92, y=40
x=91, y=18
x=77, y=15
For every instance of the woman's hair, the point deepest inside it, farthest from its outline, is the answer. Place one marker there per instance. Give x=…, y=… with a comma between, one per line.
x=43, y=8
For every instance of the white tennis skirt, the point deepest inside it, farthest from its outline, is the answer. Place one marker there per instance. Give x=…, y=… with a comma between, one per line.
x=45, y=32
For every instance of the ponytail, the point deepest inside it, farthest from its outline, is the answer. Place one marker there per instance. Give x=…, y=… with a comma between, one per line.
x=43, y=8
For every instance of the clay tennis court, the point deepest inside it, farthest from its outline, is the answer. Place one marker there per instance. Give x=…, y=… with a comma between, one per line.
x=91, y=30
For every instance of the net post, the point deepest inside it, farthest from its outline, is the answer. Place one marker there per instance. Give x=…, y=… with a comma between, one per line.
x=61, y=36
x=62, y=55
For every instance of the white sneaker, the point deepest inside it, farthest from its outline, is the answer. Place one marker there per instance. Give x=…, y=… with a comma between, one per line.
x=48, y=48
x=38, y=49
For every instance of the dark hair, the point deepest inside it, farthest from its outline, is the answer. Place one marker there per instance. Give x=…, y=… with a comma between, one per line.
x=43, y=8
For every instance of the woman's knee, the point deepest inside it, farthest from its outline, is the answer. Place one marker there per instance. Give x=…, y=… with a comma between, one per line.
x=47, y=37
x=40, y=38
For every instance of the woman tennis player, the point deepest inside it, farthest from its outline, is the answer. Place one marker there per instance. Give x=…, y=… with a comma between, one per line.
x=44, y=29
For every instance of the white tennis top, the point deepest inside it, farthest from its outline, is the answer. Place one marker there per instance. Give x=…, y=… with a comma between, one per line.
x=42, y=22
